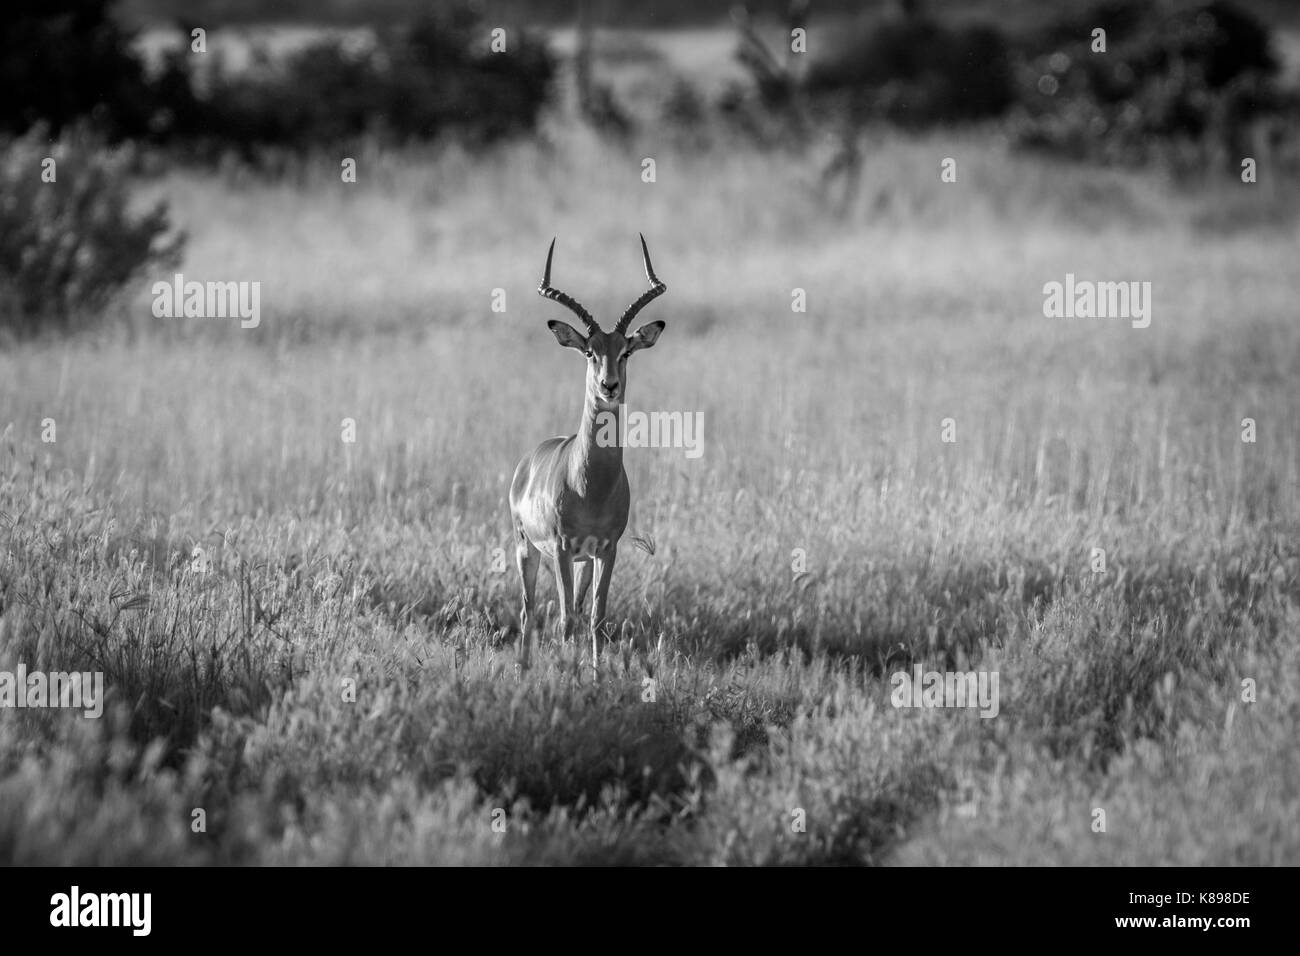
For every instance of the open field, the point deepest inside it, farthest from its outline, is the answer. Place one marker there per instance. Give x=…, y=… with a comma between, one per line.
x=376, y=561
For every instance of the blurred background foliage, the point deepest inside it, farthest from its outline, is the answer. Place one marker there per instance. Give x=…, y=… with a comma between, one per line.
x=1172, y=69
x=420, y=78
x=1190, y=85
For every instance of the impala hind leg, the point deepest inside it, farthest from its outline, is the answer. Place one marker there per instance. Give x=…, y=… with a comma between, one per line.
x=527, y=560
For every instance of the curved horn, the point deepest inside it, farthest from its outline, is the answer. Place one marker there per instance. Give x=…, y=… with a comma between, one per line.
x=656, y=288
x=568, y=301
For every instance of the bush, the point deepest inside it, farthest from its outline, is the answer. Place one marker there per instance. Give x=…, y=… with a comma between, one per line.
x=412, y=83
x=1171, y=73
x=61, y=60
x=67, y=246
x=917, y=72
x=67, y=60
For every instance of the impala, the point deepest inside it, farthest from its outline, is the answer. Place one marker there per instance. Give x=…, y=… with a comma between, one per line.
x=569, y=499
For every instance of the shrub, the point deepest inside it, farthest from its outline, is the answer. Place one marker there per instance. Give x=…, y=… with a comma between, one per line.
x=67, y=246
x=67, y=60
x=917, y=72
x=413, y=82
x=61, y=60
x=1171, y=73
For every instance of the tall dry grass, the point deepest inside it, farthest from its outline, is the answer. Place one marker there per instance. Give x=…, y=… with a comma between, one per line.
x=375, y=561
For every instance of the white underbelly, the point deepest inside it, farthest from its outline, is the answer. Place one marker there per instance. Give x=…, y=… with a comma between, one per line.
x=580, y=548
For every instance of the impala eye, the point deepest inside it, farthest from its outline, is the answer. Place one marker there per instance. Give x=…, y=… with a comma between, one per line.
x=588, y=353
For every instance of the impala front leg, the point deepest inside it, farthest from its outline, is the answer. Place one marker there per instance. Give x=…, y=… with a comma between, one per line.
x=582, y=585
x=604, y=574
x=564, y=581
x=527, y=559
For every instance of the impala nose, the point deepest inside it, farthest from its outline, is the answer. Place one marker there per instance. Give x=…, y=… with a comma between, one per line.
x=610, y=387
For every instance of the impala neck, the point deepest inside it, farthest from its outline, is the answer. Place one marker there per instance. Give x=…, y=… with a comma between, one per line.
x=594, y=468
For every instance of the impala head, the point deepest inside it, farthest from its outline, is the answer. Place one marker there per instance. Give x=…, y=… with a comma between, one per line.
x=606, y=352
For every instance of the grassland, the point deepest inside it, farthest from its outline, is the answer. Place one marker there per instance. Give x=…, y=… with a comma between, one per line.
x=376, y=561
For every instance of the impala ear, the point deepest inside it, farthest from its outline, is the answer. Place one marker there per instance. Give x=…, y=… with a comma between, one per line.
x=567, y=335
x=645, y=336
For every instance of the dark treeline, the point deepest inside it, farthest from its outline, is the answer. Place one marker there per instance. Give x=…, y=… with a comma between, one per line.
x=627, y=13
x=1112, y=80
x=1171, y=69
x=66, y=61
x=1191, y=83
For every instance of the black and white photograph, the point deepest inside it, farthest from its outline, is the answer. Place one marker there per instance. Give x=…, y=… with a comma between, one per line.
x=605, y=434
